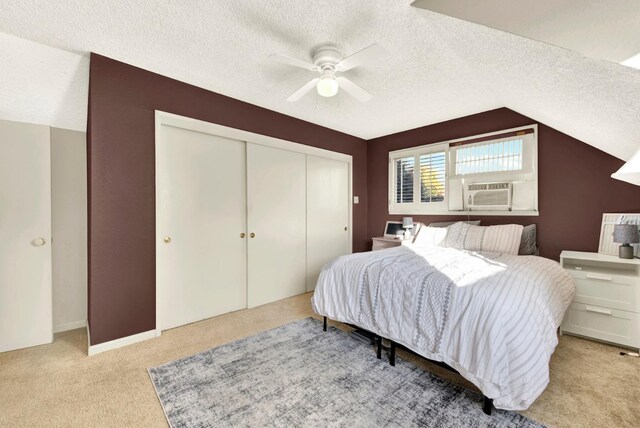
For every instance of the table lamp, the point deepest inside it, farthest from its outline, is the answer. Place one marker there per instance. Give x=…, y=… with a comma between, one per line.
x=407, y=225
x=625, y=234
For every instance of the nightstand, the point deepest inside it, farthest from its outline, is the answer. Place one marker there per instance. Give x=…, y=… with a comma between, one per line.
x=384, y=243
x=607, y=302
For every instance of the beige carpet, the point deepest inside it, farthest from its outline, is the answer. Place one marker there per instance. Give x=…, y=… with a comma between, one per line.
x=58, y=385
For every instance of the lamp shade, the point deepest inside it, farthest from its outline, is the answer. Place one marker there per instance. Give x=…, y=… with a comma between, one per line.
x=630, y=171
x=407, y=222
x=626, y=234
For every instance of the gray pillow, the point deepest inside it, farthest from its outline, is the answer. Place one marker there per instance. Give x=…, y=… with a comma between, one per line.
x=528, y=246
x=449, y=223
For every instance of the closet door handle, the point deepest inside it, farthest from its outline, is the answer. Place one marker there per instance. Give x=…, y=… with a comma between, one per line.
x=242, y=235
x=346, y=228
x=252, y=235
x=39, y=242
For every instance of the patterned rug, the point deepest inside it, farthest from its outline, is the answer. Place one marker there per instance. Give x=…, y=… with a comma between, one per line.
x=297, y=375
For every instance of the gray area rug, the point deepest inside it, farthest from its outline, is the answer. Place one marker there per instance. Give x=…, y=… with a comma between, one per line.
x=298, y=375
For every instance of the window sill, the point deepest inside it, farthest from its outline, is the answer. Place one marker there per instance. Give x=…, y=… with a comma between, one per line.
x=474, y=213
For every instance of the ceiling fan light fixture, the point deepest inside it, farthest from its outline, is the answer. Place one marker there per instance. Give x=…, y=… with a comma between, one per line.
x=327, y=87
x=328, y=61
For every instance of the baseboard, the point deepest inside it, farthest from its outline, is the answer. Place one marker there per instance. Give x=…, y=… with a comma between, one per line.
x=123, y=341
x=69, y=326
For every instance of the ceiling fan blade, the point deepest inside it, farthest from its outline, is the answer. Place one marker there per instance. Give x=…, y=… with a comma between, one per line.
x=303, y=91
x=368, y=54
x=286, y=59
x=354, y=90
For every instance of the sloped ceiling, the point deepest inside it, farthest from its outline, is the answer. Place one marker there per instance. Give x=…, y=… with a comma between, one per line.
x=41, y=84
x=598, y=29
x=437, y=67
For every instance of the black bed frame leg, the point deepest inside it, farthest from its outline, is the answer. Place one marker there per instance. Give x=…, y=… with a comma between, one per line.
x=392, y=353
x=487, y=405
x=379, y=352
x=324, y=326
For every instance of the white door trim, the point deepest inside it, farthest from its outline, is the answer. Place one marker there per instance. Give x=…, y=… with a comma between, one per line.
x=170, y=119
x=164, y=118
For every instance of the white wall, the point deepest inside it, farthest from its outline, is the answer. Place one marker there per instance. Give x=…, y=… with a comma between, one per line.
x=69, y=228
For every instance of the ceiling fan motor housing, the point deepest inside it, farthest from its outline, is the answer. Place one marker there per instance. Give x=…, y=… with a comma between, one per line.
x=326, y=56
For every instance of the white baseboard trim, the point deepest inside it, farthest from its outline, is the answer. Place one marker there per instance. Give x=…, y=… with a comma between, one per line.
x=69, y=326
x=123, y=341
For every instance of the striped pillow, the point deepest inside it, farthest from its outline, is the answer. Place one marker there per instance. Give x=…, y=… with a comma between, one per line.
x=498, y=239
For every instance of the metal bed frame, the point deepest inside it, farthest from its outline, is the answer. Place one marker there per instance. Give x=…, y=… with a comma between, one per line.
x=487, y=403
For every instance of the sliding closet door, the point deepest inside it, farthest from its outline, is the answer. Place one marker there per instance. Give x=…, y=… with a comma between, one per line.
x=201, y=216
x=276, y=224
x=25, y=236
x=328, y=234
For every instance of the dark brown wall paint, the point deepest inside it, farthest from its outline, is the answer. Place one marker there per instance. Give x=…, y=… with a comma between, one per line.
x=121, y=171
x=574, y=183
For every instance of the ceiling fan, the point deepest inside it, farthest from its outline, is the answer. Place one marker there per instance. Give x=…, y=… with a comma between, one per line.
x=328, y=61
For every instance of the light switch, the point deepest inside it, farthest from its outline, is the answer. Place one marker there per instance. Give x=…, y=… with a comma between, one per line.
x=356, y=200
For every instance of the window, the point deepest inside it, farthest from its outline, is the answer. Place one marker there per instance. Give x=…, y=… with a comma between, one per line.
x=432, y=177
x=404, y=180
x=489, y=157
x=418, y=177
x=442, y=178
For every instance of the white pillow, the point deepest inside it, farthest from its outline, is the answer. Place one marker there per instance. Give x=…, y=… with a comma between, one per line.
x=428, y=237
x=498, y=239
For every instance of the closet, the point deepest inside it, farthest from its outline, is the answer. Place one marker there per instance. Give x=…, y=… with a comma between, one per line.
x=25, y=229
x=276, y=220
x=242, y=219
x=328, y=234
x=200, y=256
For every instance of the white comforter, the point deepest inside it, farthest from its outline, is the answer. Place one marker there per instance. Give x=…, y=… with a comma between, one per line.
x=492, y=317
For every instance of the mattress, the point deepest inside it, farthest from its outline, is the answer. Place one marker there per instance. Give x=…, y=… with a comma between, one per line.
x=492, y=317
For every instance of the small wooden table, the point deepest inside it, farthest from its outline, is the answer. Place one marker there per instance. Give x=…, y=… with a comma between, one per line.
x=381, y=243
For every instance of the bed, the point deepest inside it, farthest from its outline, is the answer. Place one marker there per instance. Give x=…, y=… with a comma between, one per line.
x=492, y=316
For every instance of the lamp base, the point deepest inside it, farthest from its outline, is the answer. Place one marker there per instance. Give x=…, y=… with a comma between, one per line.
x=625, y=251
x=407, y=234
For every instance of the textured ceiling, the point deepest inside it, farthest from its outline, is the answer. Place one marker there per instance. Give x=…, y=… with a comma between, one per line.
x=599, y=29
x=437, y=67
x=41, y=84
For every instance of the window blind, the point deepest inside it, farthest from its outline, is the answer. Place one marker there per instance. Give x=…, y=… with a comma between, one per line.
x=403, y=190
x=432, y=177
x=489, y=157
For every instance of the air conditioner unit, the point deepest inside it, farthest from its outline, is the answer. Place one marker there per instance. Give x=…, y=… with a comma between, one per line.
x=488, y=196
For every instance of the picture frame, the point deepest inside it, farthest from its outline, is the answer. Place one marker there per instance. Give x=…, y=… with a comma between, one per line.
x=393, y=230
x=609, y=220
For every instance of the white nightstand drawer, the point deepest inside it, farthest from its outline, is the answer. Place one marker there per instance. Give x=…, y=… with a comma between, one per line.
x=610, y=291
x=603, y=323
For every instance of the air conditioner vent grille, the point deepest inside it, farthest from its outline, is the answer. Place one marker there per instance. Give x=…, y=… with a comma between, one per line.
x=498, y=186
x=491, y=198
x=477, y=187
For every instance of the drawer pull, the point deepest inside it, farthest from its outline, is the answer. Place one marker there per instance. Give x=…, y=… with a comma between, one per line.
x=598, y=310
x=602, y=277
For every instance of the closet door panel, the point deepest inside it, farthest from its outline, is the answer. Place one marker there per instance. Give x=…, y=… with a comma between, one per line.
x=328, y=229
x=201, y=206
x=25, y=232
x=277, y=219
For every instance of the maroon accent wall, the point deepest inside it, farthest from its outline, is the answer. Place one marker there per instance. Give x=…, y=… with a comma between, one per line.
x=574, y=183
x=121, y=187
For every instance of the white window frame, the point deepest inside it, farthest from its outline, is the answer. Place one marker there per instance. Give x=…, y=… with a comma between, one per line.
x=417, y=207
x=529, y=172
